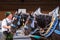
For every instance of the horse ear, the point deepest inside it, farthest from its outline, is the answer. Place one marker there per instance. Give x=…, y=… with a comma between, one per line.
x=54, y=13
x=37, y=12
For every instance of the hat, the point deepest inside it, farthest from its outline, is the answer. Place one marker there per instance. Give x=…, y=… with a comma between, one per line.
x=7, y=13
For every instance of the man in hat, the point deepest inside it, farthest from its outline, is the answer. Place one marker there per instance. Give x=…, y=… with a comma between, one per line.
x=6, y=23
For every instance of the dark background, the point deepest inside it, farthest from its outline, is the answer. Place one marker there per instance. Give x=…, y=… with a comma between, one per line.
x=30, y=5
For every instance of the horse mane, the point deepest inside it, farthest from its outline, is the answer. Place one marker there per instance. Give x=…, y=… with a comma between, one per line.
x=43, y=20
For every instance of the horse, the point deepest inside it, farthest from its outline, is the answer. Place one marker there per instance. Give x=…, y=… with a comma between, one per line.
x=20, y=19
x=43, y=21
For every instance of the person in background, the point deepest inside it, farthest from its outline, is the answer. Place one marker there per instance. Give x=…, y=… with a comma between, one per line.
x=6, y=24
